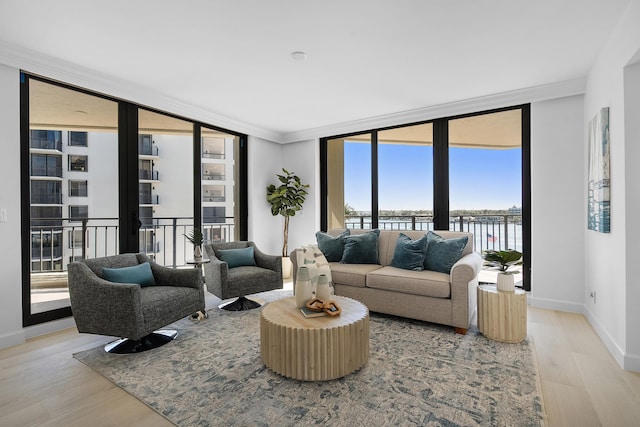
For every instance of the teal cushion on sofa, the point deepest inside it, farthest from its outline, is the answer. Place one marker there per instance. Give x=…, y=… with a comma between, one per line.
x=361, y=248
x=140, y=274
x=331, y=247
x=443, y=253
x=409, y=254
x=237, y=257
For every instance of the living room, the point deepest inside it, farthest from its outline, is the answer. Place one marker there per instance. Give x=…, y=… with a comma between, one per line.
x=568, y=262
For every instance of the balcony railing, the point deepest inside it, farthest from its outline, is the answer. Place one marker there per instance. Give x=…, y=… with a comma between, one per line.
x=148, y=150
x=496, y=232
x=213, y=198
x=99, y=237
x=148, y=175
x=45, y=144
x=148, y=199
x=47, y=171
x=213, y=176
x=218, y=156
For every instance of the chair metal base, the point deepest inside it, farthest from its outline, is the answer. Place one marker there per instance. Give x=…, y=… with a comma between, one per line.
x=241, y=304
x=153, y=340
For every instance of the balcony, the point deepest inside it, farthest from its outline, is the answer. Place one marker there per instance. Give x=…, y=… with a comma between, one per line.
x=213, y=176
x=148, y=199
x=216, y=156
x=148, y=175
x=213, y=198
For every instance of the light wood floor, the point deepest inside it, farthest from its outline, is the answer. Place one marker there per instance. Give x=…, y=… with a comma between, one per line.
x=42, y=385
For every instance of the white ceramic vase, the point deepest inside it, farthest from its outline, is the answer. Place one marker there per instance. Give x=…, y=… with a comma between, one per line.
x=304, y=289
x=322, y=288
x=197, y=253
x=506, y=282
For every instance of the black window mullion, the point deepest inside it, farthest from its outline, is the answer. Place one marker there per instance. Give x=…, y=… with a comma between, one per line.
x=374, y=180
x=128, y=177
x=197, y=176
x=441, y=174
x=526, y=196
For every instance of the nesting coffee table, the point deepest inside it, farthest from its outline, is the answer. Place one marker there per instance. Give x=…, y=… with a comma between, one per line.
x=318, y=348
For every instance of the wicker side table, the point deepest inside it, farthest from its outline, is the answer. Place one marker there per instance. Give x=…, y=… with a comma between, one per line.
x=502, y=316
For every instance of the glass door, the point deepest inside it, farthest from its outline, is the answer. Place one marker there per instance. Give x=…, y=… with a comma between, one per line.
x=72, y=185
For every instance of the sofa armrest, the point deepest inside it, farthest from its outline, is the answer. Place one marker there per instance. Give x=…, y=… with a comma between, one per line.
x=271, y=262
x=215, y=272
x=464, y=281
x=100, y=305
x=184, y=277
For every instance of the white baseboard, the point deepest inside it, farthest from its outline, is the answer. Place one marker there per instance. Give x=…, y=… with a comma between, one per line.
x=551, y=304
x=49, y=327
x=11, y=339
x=632, y=362
x=611, y=345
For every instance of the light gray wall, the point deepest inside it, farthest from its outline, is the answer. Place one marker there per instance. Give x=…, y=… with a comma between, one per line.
x=558, y=196
x=11, y=282
x=610, y=271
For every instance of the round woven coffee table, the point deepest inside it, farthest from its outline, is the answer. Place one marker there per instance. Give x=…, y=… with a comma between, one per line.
x=318, y=348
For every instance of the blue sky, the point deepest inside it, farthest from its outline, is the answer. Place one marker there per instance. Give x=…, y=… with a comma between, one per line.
x=478, y=178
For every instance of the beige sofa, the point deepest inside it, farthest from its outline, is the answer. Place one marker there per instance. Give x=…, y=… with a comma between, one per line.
x=448, y=299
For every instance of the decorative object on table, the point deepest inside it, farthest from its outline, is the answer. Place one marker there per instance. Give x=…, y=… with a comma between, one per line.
x=196, y=238
x=461, y=380
x=238, y=269
x=317, y=305
x=286, y=199
x=303, y=287
x=598, y=199
x=503, y=260
x=307, y=312
x=323, y=291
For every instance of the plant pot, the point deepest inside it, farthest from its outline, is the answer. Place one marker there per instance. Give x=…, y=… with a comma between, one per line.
x=506, y=282
x=287, y=267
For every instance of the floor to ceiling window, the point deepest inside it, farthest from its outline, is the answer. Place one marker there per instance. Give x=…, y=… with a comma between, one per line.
x=102, y=176
x=460, y=173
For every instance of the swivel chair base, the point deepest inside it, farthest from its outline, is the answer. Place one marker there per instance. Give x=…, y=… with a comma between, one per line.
x=153, y=340
x=241, y=304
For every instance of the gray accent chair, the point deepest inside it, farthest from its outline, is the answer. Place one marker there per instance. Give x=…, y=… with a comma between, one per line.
x=128, y=310
x=225, y=282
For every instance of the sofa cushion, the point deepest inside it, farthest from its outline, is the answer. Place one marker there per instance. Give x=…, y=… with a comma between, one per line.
x=237, y=257
x=140, y=274
x=332, y=247
x=409, y=254
x=361, y=248
x=443, y=253
x=351, y=274
x=424, y=283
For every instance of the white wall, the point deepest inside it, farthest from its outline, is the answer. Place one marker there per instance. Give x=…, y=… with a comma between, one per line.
x=303, y=158
x=558, y=199
x=610, y=270
x=10, y=258
x=265, y=160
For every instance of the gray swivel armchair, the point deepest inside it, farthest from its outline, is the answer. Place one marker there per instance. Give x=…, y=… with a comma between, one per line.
x=237, y=281
x=129, y=310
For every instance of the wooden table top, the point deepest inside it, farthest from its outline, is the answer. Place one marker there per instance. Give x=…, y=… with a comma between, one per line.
x=284, y=312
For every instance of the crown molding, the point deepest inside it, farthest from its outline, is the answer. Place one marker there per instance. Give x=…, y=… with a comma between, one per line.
x=472, y=105
x=79, y=76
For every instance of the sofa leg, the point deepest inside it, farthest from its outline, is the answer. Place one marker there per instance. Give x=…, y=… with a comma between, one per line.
x=461, y=331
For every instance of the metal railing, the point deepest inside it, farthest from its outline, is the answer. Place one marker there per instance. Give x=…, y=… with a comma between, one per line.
x=217, y=156
x=148, y=175
x=148, y=199
x=213, y=176
x=164, y=240
x=497, y=232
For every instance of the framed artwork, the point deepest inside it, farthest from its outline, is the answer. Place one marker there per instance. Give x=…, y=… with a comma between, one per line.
x=598, y=199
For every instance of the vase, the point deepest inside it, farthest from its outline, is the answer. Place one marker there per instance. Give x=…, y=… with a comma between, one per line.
x=287, y=267
x=322, y=288
x=506, y=282
x=197, y=253
x=303, y=290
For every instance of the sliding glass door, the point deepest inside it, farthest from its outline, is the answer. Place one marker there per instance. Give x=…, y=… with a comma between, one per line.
x=102, y=176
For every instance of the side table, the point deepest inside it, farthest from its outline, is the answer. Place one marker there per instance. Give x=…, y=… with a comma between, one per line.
x=502, y=316
x=197, y=263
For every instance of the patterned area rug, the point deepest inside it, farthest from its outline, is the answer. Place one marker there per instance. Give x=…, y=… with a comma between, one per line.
x=418, y=374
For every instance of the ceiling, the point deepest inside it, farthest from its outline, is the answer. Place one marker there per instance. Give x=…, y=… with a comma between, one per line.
x=364, y=58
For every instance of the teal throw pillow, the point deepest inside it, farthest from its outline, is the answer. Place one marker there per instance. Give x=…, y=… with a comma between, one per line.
x=140, y=274
x=237, y=257
x=443, y=253
x=409, y=254
x=331, y=247
x=361, y=248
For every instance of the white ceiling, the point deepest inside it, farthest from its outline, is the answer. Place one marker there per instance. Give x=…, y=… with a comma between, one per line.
x=365, y=58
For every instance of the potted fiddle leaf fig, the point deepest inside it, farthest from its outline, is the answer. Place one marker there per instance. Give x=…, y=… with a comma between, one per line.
x=197, y=239
x=286, y=199
x=503, y=260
